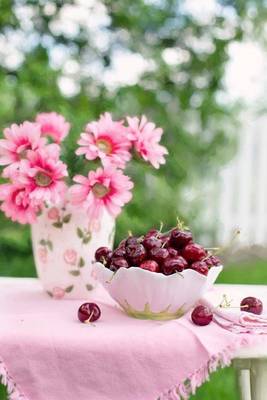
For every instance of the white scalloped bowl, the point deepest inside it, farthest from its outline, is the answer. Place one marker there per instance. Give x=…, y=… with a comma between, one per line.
x=150, y=295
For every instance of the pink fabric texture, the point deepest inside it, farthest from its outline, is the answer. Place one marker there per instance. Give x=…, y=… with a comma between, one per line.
x=45, y=353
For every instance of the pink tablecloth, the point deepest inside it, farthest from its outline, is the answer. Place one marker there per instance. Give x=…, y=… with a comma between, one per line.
x=46, y=354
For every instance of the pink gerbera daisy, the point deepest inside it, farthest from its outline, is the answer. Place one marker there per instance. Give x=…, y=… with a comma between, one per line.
x=43, y=173
x=53, y=125
x=106, y=139
x=18, y=140
x=17, y=205
x=103, y=189
x=146, y=141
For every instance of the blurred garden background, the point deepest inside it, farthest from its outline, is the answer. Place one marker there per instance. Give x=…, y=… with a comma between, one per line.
x=195, y=67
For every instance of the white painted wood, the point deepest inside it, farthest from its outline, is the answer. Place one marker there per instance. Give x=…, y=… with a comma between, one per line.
x=261, y=179
x=243, y=381
x=243, y=188
x=258, y=379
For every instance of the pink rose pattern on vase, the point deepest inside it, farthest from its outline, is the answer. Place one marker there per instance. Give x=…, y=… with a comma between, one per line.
x=58, y=293
x=70, y=256
x=42, y=254
x=53, y=213
x=64, y=256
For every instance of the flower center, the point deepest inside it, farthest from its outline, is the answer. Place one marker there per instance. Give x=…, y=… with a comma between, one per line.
x=104, y=145
x=42, y=179
x=23, y=154
x=100, y=190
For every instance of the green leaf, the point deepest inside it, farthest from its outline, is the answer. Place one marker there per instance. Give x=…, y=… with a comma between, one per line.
x=75, y=272
x=87, y=238
x=57, y=224
x=81, y=262
x=43, y=242
x=69, y=289
x=89, y=287
x=67, y=218
x=79, y=233
x=49, y=245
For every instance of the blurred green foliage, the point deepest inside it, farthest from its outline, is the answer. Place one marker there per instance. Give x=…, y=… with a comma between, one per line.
x=181, y=90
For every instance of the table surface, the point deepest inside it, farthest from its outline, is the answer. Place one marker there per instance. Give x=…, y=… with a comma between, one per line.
x=236, y=292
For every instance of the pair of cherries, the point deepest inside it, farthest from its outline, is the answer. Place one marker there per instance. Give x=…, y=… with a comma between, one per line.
x=202, y=315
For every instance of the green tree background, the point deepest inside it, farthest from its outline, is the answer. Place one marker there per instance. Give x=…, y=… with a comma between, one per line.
x=181, y=90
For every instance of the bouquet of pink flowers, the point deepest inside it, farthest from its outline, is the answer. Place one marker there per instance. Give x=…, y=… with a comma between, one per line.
x=36, y=177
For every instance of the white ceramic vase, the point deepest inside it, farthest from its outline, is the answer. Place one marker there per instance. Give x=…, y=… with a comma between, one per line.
x=64, y=242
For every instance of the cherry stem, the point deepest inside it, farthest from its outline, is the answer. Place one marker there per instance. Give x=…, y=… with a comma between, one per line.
x=111, y=277
x=181, y=225
x=103, y=260
x=223, y=248
x=88, y=321
x=160, y=229
x=179, y=273
x=221, y=306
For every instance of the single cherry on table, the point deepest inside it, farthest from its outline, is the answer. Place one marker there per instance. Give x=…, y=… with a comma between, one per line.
x=252, y=305
x=89, y=312
x=202, y=315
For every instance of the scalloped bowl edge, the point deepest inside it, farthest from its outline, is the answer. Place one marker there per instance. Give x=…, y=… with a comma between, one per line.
x=149, y=295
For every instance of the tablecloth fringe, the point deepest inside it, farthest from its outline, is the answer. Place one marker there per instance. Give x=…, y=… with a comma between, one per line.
x=223, y=359
x=12, y=389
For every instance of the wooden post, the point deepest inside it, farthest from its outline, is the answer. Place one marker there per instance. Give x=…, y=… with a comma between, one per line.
x=258, y=379
x=242, y=367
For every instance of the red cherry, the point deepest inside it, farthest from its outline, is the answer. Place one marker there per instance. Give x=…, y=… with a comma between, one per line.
x=200, y=266
x=150, y=242
x=213, y=261
x=252, y=305
x=103, y=255
x=173, y=252
x=201, y=316
x=159, y=254
x=180, y=239
x=193, y=252
x=131, y=241
x=165, y=237
x=89, y=312
x=117, y=263
x=119, y=252
x=122, y=244
x=150, y=265
x=152, y=232
x=172, y=265
x=135, y=254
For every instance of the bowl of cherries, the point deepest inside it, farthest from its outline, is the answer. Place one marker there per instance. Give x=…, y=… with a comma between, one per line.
x=159, y=275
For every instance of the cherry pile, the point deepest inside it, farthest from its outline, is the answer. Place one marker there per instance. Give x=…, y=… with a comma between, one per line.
x=166, y=253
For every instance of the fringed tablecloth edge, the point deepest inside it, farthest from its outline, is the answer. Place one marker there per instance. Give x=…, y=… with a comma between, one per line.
x=184, y=390
x=6, y=379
